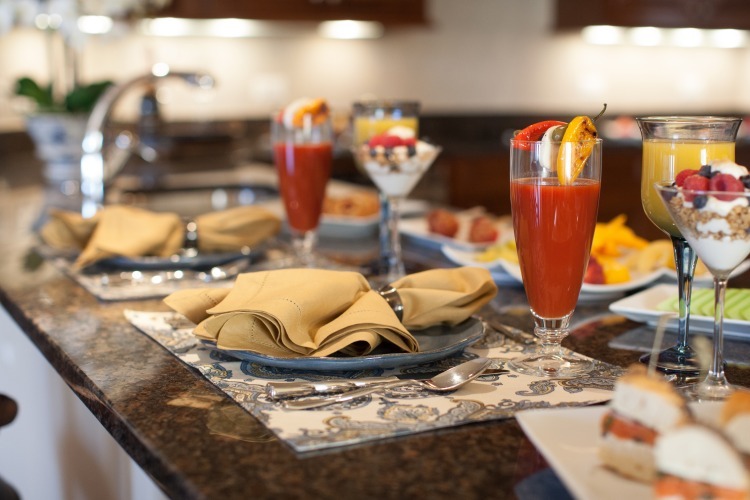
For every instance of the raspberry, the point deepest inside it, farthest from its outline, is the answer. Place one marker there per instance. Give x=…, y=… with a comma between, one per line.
x=726, y=183
x=377, y=140
x=694, y=182
x=391, y=141
x=680, y=179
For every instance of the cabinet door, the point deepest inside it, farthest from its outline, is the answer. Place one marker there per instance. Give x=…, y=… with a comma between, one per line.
x=386, y=11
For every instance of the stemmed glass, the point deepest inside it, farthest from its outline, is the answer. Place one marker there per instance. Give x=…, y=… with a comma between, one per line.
x=303, y=153
x=672, y=144
x=715, y=223
x=387, y=149
x=553, y=223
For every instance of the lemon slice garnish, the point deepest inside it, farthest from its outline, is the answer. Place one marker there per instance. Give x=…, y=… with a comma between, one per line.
x=571, y=159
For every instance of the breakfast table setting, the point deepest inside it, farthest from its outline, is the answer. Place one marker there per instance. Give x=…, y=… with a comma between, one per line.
x=248, y=351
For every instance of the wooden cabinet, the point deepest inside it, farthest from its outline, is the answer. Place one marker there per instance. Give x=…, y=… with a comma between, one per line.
x=709, y=14
x=390, y=12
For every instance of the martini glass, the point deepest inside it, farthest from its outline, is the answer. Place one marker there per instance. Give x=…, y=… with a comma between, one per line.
x=395, y=175
x=553, y=224
x=303, y=155
x=376, y=118
x=672, y=144
x=716, y=224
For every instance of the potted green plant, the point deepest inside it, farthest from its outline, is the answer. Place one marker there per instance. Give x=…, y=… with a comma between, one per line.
x=57, y=127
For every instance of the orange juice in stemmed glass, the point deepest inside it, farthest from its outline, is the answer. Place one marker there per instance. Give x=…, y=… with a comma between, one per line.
x=672, y=144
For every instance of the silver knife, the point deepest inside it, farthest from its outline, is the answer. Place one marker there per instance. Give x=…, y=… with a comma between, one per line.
x=513, y=333
x=280, y=390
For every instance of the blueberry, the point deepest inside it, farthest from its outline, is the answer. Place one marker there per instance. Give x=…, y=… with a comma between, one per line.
x=700, y=201
x=746, y=181
x=705, y=171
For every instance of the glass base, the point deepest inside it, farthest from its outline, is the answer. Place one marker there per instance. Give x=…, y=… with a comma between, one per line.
x=680, y=360
x=709, y=390
x=560, y=365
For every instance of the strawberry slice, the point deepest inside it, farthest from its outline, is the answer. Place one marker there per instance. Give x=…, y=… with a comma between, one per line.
x=534, y=132
x=726, y=183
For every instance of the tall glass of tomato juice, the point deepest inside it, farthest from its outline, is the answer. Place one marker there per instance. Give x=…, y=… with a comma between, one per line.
x=303, y=154
x=554, y=226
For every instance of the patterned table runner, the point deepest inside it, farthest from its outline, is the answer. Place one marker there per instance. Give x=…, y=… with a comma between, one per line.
x=393, y=412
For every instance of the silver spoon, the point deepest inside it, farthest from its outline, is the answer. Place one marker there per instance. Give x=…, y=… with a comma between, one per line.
x=448, y=380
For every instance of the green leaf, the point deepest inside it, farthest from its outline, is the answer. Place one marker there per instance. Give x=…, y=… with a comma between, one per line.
x=27, y=87
x=83, y=99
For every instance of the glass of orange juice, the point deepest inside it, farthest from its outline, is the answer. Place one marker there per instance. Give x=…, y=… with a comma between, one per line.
x=553, y=224
x=673, y=144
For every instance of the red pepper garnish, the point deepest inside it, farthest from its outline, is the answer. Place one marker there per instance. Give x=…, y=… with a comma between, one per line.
x=534, y=132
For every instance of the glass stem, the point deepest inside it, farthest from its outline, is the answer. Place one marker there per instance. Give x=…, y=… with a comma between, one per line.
x=716, y=370
x=384, y=234
x=304, y=244
x=395, y=262
x=685, y=259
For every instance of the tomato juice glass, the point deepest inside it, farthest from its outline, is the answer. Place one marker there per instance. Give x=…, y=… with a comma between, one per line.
x=303, y=157
x=553, y=224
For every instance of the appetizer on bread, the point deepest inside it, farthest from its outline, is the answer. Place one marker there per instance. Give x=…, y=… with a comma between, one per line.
x=735, y=422
x=642, y=408
x=696, y=462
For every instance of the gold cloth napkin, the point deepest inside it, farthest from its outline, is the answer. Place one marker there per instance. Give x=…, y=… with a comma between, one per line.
x=316, y=312
x=118, y=230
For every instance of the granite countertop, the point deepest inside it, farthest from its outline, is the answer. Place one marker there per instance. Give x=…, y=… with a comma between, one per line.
x=197, y=443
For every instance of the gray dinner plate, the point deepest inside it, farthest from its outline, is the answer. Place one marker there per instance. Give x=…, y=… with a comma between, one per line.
x=435, y=343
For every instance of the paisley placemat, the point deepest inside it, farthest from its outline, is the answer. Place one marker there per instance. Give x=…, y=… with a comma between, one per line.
x=393, y=412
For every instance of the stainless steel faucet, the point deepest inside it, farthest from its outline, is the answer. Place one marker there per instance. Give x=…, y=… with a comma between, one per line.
x=100, y=163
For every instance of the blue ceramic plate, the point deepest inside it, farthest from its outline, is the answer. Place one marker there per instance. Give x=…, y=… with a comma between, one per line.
x=436, y=342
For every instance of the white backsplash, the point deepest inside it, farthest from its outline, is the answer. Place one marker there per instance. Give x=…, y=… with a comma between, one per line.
x=476, y=56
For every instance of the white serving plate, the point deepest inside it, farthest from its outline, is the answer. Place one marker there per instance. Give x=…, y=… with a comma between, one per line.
x=642, y=307
x=418, y=229
x=588, y=291
x=568, y=438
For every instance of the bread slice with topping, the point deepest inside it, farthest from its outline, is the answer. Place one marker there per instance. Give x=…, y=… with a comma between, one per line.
x=697, y=462
x=643, y=407
x=735, y=422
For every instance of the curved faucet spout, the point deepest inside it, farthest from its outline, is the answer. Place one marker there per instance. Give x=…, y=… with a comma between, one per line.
x=96, y=170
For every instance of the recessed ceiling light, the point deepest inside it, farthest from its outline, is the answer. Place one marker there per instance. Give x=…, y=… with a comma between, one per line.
x=350, y=30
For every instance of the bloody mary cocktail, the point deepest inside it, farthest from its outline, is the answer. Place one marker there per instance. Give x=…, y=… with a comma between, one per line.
x=554, y=227
x=554, y=195
x=302, y=139
x=304, y=170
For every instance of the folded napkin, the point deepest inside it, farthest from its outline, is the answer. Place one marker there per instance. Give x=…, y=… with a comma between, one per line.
x=316, y=312
x=118, y=230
